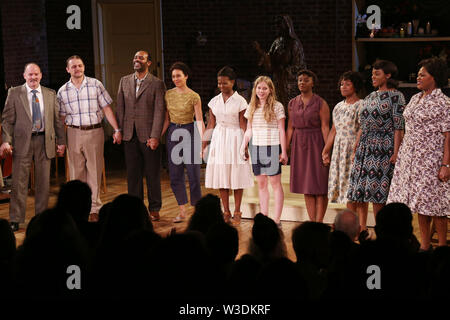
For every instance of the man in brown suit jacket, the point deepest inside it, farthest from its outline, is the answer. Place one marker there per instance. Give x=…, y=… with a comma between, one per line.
x=27, y=135
x=140, y=113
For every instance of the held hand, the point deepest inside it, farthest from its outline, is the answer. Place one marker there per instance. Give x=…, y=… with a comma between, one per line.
x=393, y=158
x=283, y=158
x=326, y=159
x=117, y=137
x=60, y=150
x=444, y=174
x=6, y=149
x=152, y=143
x=204, y=152
x=244, y=152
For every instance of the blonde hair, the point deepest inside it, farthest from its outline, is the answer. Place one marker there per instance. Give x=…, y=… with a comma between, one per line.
x=269, y=107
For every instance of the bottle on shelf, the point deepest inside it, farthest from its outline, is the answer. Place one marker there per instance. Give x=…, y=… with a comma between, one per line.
x=409, y=30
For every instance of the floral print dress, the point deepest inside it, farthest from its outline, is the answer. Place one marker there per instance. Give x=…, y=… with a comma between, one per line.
x=346, y=122
x=372, y=170
x=415, y=182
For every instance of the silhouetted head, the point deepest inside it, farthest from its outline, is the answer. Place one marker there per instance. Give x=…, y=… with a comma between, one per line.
x=222, y=242
x=265, y=232
x=348, y=222
x=75, y=198
x=394, y=222
x=127, y=214
x=311, y=243
x=267, y=240
x=208, y=212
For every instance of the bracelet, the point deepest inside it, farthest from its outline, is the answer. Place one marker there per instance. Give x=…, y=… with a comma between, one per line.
x=445, y=165
x=117, y=130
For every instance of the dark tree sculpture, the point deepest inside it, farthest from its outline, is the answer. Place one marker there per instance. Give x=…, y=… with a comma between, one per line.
x=284, y=59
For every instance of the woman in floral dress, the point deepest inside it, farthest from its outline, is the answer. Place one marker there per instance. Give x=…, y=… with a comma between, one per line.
x=342, y=137
x=422, y=172
x=377, y=142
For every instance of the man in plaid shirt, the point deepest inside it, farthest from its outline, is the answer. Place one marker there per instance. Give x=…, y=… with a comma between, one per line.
x=83, y=101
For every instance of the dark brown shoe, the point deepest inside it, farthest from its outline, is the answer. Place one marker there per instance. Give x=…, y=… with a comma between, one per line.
x=154, y=215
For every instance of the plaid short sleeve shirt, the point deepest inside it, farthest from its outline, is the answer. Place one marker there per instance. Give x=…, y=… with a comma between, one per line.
x=83, y=106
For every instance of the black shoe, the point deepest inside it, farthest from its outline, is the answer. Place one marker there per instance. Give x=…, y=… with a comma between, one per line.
x=14, y=226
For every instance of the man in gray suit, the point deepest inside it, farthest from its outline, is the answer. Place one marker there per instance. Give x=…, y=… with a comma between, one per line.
x=140, y=113
x=30, y=125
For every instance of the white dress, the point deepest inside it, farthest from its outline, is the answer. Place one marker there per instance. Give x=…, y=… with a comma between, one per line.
x=225, y=168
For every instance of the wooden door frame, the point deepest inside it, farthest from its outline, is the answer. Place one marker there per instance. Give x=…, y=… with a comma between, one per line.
x=158, y=57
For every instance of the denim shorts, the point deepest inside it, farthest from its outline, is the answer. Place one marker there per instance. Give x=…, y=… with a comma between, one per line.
x=265, y=160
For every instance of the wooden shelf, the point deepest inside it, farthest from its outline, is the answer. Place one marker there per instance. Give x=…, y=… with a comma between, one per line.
x=406, y=39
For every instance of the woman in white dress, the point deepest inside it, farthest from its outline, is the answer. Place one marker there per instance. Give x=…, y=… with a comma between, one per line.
x=225, y=169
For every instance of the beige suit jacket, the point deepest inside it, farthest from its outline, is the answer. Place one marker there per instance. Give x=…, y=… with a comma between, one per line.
x=17, y=121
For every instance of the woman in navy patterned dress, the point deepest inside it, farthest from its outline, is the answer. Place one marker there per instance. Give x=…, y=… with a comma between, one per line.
x=377, y=142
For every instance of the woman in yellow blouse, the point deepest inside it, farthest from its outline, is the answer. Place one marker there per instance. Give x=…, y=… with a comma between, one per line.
x=183, y=140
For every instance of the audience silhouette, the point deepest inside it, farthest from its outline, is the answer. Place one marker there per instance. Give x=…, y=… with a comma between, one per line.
x=121, y=256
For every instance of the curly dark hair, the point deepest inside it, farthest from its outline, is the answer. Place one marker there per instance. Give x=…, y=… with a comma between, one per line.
x=310, y=74
x=355, y=78
x=437, y=68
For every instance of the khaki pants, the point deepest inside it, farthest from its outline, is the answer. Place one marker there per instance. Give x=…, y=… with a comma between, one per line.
x=85, y=153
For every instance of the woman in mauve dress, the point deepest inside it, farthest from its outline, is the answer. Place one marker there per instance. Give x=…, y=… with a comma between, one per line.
x=308, y=128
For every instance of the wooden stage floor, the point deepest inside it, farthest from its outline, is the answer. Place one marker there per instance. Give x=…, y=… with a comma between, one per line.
x=116, y=185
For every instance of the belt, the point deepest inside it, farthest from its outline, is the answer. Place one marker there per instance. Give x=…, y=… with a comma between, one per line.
x=90, y=127
x=37, y=133
x=181, y=124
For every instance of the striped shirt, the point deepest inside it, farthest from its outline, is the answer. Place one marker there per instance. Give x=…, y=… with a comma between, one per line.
x=266, y=133
x=83, y=106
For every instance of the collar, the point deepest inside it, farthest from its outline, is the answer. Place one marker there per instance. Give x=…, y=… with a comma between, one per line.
x=232, y=96
x=137, y=79
x=83, y=83
x=38, y=89
x=434, y=93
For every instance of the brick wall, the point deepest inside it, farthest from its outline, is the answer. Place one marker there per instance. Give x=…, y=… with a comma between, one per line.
x=35, y=30
x=24, y=38
x=324, y=27
x=63, y=43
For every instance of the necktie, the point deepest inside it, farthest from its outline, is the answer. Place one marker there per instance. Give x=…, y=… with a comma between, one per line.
x=138, y=85
x=37, y=118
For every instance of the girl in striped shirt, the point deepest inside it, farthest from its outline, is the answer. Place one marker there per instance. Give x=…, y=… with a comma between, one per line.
x=266, y=130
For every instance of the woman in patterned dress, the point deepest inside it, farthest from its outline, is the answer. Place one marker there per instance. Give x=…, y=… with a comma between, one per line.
x=225, y=169
x=421, y=176
x=377, y=142
x=342, y=137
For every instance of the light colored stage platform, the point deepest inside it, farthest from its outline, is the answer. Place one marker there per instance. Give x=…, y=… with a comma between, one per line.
x=294, y=208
